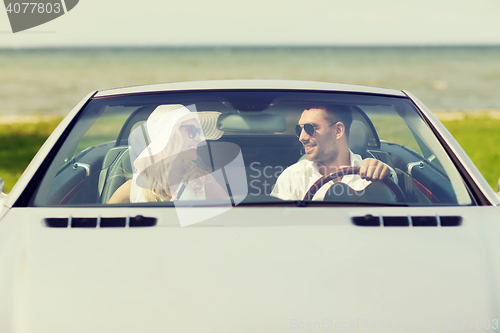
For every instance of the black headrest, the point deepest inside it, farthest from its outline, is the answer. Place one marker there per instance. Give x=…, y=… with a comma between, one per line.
x=358, y=138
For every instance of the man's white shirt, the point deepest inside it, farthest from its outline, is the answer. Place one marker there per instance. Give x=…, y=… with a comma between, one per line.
x=295, y=180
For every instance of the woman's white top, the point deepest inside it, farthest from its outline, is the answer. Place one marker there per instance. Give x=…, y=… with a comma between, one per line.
x=137, y=195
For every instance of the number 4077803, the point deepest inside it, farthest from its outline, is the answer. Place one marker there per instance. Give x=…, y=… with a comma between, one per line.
x=471, y=324
x=33, y=8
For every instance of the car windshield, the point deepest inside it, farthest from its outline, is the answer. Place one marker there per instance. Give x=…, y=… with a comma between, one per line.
x=232, y=147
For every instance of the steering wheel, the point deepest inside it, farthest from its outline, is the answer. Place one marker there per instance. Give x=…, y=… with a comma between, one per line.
x=393, y=187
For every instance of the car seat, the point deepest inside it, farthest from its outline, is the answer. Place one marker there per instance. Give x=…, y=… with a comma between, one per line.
x=116, y=170
x=117, y=166
x=358, y=138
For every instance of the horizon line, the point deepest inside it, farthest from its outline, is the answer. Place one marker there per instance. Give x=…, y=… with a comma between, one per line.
x=247, y=46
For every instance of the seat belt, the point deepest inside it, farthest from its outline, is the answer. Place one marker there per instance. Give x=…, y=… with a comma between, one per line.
x=181, y=190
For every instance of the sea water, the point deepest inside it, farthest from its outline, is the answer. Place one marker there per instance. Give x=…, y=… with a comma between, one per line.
x=52, y=81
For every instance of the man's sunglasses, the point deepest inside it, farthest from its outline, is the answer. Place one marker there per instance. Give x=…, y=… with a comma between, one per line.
x=192, y=130
x=309, y=128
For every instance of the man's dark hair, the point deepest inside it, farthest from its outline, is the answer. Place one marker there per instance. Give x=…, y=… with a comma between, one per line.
x=335, y=113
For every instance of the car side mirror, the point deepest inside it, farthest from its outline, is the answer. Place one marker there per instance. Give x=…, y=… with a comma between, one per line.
x=498, y=187
x=2, y=188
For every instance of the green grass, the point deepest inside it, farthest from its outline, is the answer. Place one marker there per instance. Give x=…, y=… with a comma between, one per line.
x=19, y=142
x=480, y=138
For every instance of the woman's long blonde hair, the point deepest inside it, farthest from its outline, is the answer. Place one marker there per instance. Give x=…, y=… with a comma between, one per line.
x=155, y=177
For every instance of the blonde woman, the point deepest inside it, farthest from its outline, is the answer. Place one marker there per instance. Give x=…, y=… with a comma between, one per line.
x=166, y=170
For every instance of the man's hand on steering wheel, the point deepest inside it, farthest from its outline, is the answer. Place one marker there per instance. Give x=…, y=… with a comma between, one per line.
x=372, y=169
x=392, y=186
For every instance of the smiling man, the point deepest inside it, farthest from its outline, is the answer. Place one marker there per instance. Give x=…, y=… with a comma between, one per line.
x=324, y=132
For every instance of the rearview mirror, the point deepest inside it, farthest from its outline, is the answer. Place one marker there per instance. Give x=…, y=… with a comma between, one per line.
x=251, y=123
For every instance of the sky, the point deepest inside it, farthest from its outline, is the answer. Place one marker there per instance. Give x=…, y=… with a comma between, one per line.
x=264, y=22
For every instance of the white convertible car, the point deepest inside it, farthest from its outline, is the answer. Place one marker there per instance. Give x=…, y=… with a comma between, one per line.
x=154, y=209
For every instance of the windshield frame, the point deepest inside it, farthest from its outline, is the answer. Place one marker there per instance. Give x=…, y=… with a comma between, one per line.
x=468, y=181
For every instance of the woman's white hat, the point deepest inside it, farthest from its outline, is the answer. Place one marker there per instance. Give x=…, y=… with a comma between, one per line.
x=158, y=130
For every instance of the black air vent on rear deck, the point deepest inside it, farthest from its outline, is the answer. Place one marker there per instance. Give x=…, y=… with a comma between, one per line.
x=367, y=221
x=84, y=222
x=113, y=222
x=424, y=221
x=141, y=221
x=100, y=222
x=396, y=221
x=406, y=221
x=56, y=222
x=451, y=221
